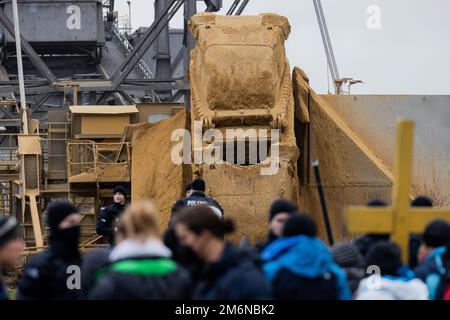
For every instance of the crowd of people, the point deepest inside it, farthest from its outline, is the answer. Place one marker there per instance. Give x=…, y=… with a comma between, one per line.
x=192, y=259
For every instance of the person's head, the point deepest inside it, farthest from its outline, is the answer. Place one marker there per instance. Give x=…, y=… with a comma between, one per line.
x=300, y=224
x=119, y=194
x=138, y=222
x=347, y=255
x=422, y=201
x=188, y=189
x=199, y=185
x=201, y=230
x=436, y=234
x=63, y=220
x=11, y=246
x=376, y=203
x=387, y=256
x=279, y=212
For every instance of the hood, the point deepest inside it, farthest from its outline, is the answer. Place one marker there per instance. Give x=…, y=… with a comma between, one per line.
x=438, y=252
x=305, y=256
x=133, y=249
x=383, y=288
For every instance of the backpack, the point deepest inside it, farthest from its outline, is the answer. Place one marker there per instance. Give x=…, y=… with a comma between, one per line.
x=288, y=285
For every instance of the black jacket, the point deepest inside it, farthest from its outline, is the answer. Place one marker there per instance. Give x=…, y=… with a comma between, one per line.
x=183, y=255
x=234, y=277
x=93, y=261
x=46, y=275
x=261, y=245
x=106, y=222
x=147, y=276
x=197, y=198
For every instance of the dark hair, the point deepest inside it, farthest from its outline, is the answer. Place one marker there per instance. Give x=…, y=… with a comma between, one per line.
x=376, y=203
x=387, y=256
x=300, y=224
x=422, y=201
x=202, y=218
x=436, y=233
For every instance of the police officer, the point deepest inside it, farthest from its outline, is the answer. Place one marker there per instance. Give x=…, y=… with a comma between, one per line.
x=196, y=197
x=109, y=216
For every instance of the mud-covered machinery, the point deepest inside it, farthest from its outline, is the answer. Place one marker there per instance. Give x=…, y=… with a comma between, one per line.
x=241, y=86
x=253, y=132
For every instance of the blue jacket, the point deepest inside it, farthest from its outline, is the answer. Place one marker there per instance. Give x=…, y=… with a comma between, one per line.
x=234, y=277
x=305, y=257
x=431, y=271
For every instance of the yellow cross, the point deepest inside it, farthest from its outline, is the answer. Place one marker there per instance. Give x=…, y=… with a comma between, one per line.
x=399, y=220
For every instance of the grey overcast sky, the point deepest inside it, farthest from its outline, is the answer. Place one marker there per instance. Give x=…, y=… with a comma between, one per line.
x=408, y=54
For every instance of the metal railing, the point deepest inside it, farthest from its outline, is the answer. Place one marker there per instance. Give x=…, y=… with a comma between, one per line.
x=141, y=67
x=89, y=157
x=8, y=147
x=5, y=197
x=127, y=47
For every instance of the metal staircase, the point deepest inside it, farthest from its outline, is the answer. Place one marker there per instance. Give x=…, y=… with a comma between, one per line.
x=142, y=68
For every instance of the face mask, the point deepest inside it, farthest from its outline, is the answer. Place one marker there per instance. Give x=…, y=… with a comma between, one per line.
x=69, y=236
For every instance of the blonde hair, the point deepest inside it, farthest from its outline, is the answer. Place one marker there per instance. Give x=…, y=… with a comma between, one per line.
x=139, y=221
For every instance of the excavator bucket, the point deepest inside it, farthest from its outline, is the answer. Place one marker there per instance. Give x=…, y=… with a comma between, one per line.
x=242, y=108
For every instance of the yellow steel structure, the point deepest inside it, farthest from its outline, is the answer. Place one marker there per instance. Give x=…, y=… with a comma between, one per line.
x=400, y=219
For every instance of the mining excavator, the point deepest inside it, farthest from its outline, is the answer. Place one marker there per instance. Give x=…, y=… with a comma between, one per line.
x=251, y=130
x=244, y=100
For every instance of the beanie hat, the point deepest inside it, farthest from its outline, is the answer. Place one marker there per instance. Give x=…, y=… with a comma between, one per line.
x=387, y=256
x=120, y=189
x=300, y=224
x=422, y=201
x=57, y=212
x=199, y=185
x=347, y=255
x=437, y=233
x=279, y=206
x=9, y=229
